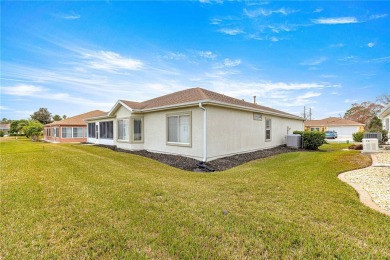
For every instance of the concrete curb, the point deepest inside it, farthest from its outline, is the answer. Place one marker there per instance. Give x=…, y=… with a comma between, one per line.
x=364, y=196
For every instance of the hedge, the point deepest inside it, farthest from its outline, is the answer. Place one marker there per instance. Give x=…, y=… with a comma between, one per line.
x=311, y=139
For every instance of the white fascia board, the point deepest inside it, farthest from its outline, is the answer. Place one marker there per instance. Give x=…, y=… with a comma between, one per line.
x=98, y=118
x=385, y=112
x=216, y=103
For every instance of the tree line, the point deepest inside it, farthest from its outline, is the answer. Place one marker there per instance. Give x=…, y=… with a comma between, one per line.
x=33, y=126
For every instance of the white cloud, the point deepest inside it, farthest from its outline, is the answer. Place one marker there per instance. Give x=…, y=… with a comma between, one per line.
x=377, y=16
x=174, y=56
x=265, y=12
x=380, y=60
x=111, y=61
x=349, y=59
x=4, y=108
x=211, y=1
x=318, y=10
x=336, y=20
x=313, y=62
x=22, y=90
x=207, y=54
x=281, y=28
x=350, y=101
x=370, y=44
x=337, y=45
x=231, y=63
x=215, y=21
x=69, y=16
x=231, y=31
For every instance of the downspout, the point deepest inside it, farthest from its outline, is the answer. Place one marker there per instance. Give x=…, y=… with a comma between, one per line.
x=204, y=132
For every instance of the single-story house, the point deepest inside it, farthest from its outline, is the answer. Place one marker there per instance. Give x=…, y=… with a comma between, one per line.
x=195, y=123
x=384, y=115
x=5, y=128
x=344, y=127
x=72, y=129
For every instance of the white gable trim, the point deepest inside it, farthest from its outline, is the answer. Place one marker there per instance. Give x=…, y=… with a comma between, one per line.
x=116, y=107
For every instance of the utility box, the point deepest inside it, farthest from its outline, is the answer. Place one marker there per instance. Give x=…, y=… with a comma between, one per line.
x=372, y=135
x=370, y=145
x=294, y=140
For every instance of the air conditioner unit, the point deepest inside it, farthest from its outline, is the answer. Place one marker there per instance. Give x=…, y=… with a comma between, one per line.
x=370, y=145
x=294, y=140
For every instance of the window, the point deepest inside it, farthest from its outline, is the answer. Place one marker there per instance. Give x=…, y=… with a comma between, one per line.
x=91, y=130
x=179, y=129
x=77, y=132
x=123, y=129
x=47, y=131
x=106, y=130
x=268, y=129
x=137, y=134
x=387, y=124
x=315, y=129
x=56, y=132
x=66, y=132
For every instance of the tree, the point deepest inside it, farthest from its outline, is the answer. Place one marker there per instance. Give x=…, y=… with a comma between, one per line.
x=5, y=121
x=64, y=116
x=42, y=115
x=375, y=125
x=363, y=112
x=33, y=129
x=57, y=118
x=383, y=99
x=16, y=126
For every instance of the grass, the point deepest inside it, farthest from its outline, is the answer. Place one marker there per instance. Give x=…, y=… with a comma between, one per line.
x=78, y=201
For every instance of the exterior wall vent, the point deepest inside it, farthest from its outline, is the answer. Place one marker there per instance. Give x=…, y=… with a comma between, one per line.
x=370, y=145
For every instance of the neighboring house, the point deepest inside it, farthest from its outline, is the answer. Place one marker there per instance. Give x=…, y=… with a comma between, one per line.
x=72, y=129
x=384, y=115
x=344, y=127
x=195, y=123
x=5, y=128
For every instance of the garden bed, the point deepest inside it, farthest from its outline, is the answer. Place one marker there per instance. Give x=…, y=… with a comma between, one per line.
x=221, y=164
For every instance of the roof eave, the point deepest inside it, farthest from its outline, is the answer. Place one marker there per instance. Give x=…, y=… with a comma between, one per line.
x=216, y=103
x=385, y=112
x=98, y=118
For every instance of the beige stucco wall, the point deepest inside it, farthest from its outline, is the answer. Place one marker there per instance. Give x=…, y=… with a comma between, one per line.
x=155, y=133
x=229, y=131
x=232, y=131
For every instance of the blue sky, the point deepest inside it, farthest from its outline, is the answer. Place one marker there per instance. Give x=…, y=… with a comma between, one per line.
x=73, y=57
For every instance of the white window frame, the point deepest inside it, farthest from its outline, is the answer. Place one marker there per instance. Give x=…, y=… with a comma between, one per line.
x=268, y=128
x=180, y=114
x=72, y=135
x=127, y=136
x=132, y=119
x=81, y=135
x=55, y=132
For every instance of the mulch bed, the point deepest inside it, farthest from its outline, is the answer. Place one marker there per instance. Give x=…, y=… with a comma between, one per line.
x=221, y=164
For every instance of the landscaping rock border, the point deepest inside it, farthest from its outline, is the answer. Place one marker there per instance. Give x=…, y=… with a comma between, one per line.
x=220, y=164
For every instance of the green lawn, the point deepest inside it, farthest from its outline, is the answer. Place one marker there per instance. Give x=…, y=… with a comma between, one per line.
x=79, y=201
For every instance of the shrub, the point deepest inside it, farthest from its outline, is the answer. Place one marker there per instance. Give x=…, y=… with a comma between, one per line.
x=1, y=133
x=311, y=139
x=358, y=137
x=385, y=136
